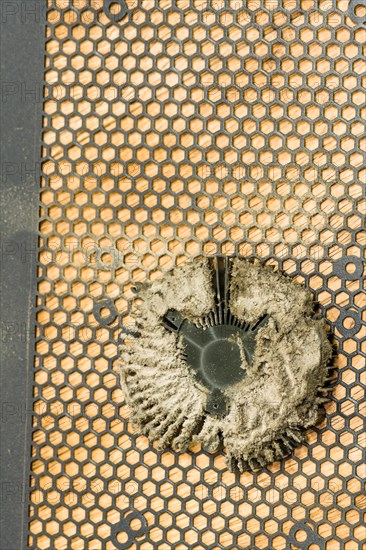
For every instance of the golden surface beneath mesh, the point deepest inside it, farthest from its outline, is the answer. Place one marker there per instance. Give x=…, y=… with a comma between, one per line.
x=135, y=183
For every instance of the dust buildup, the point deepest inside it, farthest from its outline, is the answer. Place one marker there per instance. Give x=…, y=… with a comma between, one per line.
x=269, y=409
x=164, y=397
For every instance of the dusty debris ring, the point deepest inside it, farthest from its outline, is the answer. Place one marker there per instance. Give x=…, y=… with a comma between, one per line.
x=228, y=354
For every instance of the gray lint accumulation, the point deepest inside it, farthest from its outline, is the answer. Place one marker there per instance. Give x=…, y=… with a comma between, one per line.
x=269, y=408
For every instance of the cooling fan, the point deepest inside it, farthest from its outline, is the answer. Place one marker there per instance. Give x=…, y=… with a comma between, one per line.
x=226, y=353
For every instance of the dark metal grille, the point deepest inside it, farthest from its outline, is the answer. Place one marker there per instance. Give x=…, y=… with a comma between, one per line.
x=190, y=128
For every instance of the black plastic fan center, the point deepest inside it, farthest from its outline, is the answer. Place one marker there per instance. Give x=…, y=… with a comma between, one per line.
x=219, y=347
x=221, y=363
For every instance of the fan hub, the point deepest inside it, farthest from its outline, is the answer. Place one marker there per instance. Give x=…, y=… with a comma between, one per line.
x=213, y=348
x=221, y=363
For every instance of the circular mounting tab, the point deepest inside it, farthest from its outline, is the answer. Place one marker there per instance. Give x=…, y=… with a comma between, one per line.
x=357, y=11
x=115, y=9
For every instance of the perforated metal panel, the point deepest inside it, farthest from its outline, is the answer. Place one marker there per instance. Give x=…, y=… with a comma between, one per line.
x=193, y=128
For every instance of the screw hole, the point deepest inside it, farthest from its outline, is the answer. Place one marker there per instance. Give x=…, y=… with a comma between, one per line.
x=301, y=535
x=351, y=268
x=359, y=10
x=122, y=537
x=115, y=8
x=105, y=312
x=349, y=323
x=135, y=524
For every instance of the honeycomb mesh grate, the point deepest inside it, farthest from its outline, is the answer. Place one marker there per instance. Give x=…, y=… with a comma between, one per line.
x=193, y=128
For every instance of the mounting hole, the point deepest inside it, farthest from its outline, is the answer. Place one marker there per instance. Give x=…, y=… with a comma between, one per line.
x=115, y=10
x=360, y=10
x=132, y=526
x=351, y=268
x=349, y=323
x=357, y=11
x=122, y=537
x=301, y=535
x=105, y=312
x=135, y=524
